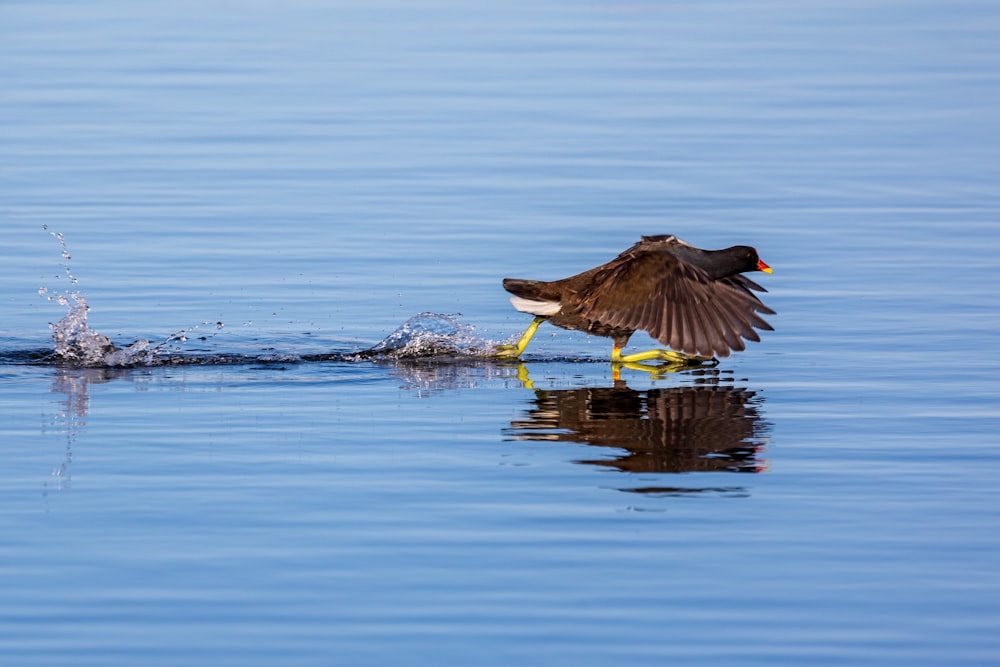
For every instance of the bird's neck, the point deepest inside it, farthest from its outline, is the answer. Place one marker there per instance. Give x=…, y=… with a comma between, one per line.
x=720, y=263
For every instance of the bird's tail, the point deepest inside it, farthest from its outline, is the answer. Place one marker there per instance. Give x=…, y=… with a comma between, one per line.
x=533, y=296
x=529, y=289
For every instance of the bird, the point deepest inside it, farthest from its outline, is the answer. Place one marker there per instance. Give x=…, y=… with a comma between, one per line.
x=696, y=302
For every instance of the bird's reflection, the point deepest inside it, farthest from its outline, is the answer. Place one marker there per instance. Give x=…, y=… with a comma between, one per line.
x=707, y=426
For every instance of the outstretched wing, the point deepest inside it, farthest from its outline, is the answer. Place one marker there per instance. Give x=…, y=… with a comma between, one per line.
x=676, y=303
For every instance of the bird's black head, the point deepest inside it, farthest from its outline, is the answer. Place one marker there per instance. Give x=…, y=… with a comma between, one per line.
x=754, y=262
x=741, y=259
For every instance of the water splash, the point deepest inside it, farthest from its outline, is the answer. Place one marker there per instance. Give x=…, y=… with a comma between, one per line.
x=430, y=335
x=78, y=344
x=425, y=335
x=75, y=341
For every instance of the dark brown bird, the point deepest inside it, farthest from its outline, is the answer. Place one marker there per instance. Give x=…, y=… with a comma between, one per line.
x=694, y=301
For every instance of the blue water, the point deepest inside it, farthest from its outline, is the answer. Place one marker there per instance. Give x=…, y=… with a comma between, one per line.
x=265, y=190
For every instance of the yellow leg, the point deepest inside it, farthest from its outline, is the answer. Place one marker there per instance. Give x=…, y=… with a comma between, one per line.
x=654, y=370
x=522, y=375
x=514, y=351
x=669, y=356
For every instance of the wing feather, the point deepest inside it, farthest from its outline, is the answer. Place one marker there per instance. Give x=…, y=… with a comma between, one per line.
x=677, y=303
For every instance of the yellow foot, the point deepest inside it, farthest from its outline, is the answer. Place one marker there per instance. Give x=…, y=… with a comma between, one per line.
x=514, y=351
x=668, y=356
x=506, y=351
x=654, y=370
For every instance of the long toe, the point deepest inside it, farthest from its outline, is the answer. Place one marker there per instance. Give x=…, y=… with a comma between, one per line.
x=506, y=351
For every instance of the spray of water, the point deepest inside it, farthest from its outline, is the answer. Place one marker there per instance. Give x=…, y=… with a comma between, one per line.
x=75, y=342
x=430, y=335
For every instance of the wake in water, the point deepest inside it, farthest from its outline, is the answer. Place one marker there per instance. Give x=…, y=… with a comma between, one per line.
x=76, y=343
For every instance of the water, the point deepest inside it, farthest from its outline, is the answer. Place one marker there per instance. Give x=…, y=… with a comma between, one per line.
x=253, y=196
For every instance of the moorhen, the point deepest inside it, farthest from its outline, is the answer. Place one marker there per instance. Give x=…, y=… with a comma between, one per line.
x=695, y=301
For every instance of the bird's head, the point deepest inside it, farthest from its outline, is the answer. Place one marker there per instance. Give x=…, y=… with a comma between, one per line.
x=760, y=265
x=748, y=259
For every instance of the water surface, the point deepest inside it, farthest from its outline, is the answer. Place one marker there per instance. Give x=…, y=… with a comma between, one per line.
x=264, y=191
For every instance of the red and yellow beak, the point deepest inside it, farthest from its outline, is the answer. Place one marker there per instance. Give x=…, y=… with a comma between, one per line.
x=761, y=266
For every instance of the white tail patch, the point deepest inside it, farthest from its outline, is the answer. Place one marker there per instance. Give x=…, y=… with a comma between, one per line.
x=535, y=307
